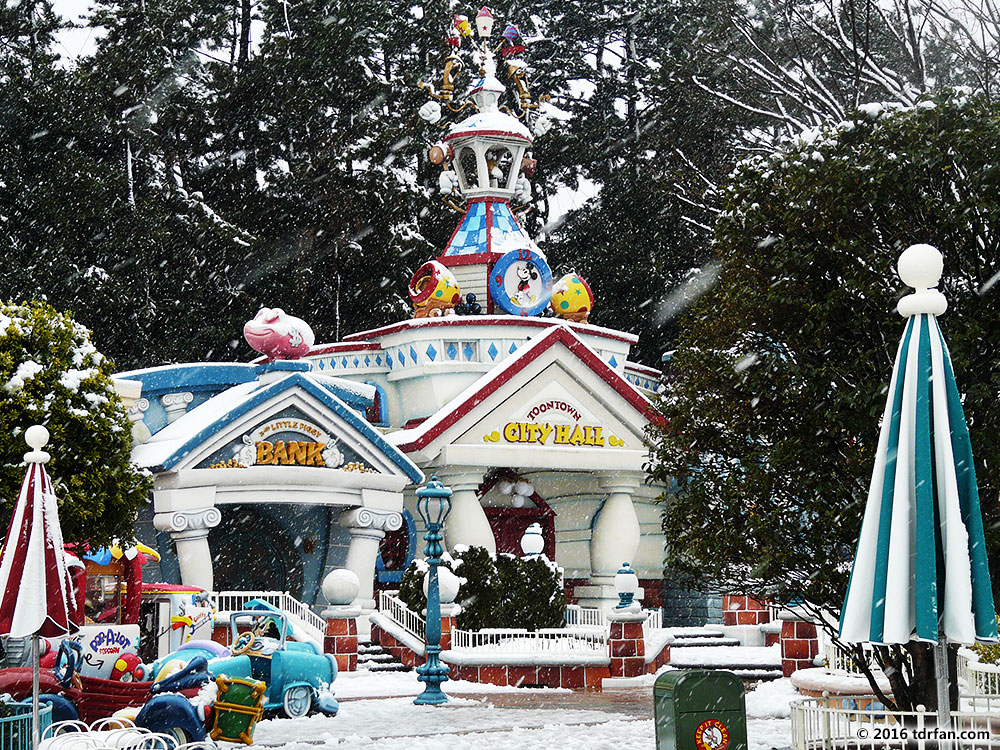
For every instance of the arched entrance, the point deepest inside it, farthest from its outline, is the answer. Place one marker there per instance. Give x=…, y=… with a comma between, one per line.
x=251, y=551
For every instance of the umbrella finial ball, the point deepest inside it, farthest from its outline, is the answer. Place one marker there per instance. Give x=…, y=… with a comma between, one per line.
x=36, y=436
x=921, y=266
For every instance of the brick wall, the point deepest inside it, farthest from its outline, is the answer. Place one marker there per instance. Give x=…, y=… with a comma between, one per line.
x=341, y=640
x=799, y=646
x=744, y=610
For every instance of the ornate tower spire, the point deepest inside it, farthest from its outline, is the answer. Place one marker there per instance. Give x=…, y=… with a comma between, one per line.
x=486, y=163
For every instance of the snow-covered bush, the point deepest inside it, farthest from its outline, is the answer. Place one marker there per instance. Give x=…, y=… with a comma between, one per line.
x=498, y=592
x=51, y=374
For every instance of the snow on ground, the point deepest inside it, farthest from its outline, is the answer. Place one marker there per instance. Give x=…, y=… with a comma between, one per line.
x=364, y=684
x=484, y=717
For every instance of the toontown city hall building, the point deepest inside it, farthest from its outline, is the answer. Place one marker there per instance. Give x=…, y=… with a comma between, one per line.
x=270, y=474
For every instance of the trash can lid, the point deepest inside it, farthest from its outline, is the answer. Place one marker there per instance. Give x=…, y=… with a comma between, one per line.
x=700, y=690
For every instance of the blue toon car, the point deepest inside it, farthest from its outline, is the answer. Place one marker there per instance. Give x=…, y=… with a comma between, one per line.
x=297, y=675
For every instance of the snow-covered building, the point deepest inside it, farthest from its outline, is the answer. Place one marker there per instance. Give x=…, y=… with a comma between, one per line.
x=527, y=411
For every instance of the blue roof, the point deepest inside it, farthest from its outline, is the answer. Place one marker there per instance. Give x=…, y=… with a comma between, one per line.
x=172, y=444
x=488, y=226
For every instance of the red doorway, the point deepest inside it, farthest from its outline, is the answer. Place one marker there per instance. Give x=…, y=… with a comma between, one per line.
x=509, y=523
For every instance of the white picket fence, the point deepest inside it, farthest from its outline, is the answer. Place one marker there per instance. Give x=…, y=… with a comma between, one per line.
x=544, y=641
x=587, y=617
x=299, y=613
x=831, y=724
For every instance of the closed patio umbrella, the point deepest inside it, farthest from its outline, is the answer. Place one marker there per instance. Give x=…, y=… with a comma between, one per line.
x=920, y=570
x=36, y=594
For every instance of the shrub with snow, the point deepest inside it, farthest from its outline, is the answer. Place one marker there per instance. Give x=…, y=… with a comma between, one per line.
x=51, y=374
x=505, y=591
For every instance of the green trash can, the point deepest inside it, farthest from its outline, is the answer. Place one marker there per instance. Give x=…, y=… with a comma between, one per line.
x=699, y=709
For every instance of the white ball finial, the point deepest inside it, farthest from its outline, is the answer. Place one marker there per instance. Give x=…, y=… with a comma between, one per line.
x=36, y=436
x=341, y=587
x=920, y=266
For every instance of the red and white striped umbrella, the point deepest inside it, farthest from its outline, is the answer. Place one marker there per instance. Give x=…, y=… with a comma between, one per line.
x=36, y=594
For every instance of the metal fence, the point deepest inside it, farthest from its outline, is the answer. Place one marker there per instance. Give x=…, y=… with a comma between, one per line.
x=15, y=724
x=395, y=609
x=586, y=642
x=860, y=723
x=312, y=624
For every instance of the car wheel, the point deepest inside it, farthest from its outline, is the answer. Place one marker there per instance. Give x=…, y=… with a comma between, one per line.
x=297, y=701
x=179, y=734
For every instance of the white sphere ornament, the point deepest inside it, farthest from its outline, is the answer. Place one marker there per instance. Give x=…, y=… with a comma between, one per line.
x=921, y=266
x=448, y=585
x=36, y=436
x=517, y=501
x=532, y=543
x=506, y=488
x=523, y=488
x=341, y=587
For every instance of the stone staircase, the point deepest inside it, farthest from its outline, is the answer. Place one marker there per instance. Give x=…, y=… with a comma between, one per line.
x=701, y=648
x=374, y=658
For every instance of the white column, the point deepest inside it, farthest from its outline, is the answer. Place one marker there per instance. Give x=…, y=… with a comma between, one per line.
x=615, y=540
x=367, y=529
x=176, y=404
x=189, y=530
x=467, y=523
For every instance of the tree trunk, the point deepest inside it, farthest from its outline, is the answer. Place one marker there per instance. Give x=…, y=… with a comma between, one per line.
x=244, y=52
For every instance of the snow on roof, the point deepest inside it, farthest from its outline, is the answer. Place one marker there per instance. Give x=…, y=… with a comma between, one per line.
x=493, y=121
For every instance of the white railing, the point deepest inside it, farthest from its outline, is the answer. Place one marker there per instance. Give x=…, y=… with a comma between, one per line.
x=301, y=615
x=981, y=679
x=825, y=723
x=395, y=609
x=546, y=641
x=577, y=616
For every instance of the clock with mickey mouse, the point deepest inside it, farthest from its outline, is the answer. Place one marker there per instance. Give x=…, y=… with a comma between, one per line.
x=521, y=282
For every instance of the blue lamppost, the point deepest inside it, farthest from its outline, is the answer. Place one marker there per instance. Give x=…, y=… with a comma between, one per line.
x=433, y=504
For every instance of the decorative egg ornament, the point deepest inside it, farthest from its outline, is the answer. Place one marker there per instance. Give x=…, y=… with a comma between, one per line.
x=572, y=298
x=434, y=291
x=521, y=283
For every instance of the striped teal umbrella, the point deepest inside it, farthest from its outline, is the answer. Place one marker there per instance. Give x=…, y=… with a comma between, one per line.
x=920, y=570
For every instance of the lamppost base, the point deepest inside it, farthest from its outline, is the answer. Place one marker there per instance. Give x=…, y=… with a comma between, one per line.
x=433, y=673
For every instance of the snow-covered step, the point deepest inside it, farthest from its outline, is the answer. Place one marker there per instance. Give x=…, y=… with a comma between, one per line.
x=766, y=658
x=705, y=642
x=374, y=658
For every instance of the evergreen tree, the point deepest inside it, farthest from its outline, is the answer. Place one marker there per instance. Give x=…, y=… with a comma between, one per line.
x=771, y=415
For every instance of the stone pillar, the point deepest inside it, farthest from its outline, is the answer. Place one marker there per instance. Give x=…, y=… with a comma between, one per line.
x=340, y=587
x=615, y=540
x=627, y=642
x=189, y=530
x=467, y=523
x=799, y=644
x=744, y=610
x=367, y=529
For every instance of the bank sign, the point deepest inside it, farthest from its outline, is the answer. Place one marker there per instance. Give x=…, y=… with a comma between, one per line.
x=555, y=422
x=286, y=439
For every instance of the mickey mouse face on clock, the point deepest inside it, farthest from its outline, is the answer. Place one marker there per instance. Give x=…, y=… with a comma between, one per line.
x=521, y=283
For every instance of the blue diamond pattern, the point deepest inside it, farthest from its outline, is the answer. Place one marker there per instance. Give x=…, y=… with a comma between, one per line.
x=431, y=352
x=413, y=355
x=378, y=360
x=613, y=362
x=356, y=361
x=647, y=384
x=388, y=360
x=452, y=350
x=493, y=351
x=320, y=363
x=513, y=348
x=468, y=351
x=344, y=361
x=368, y=361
